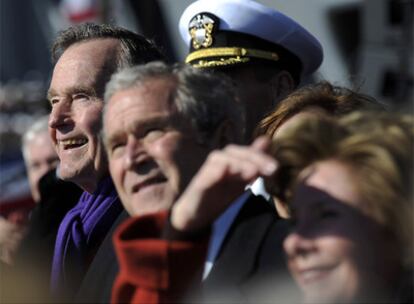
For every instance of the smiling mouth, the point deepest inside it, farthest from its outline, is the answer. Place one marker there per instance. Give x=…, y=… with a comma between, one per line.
x=313, y=274
x=148, y=182
x=72, y=143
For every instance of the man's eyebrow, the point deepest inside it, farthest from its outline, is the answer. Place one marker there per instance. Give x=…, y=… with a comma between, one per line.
x=73, y=90
x=160, y=120
x=50, y=94
x=138, y=127
x=81, y=89
x=112, y=137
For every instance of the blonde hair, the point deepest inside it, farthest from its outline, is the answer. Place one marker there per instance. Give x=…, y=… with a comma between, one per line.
x=378, y=147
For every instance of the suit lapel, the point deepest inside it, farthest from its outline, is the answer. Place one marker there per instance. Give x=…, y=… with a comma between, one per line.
x=96, y=286
x=238, y=254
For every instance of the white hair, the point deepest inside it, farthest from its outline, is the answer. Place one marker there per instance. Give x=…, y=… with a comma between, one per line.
x=38, y=127
x=206, y=99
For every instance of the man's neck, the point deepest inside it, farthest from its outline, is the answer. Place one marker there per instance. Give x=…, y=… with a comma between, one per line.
x=91, y=185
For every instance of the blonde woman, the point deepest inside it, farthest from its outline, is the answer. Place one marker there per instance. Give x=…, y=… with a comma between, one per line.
x=349, y=188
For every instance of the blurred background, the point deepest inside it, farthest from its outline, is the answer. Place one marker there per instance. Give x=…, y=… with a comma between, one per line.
x=368, y=44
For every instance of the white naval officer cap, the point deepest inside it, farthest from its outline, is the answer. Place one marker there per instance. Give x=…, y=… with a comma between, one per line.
x=223, y=33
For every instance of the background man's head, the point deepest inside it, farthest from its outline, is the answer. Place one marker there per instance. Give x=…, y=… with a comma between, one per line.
x=39, y=154
x=160, y=123
x=86, y=56
x=265, y=52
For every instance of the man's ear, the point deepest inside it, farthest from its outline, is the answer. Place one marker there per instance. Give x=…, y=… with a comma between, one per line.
x=281, y=85
x=225, y=134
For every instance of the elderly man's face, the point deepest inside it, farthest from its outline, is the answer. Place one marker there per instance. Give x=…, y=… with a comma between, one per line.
x=75, y=93
x=40, y=158
x=153, y=152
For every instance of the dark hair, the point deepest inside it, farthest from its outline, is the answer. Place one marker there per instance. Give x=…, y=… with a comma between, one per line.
x=135, y=49
x=336, y=101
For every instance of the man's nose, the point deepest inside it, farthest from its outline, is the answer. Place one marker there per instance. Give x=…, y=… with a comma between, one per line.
x=134, y=153
x=60, y=115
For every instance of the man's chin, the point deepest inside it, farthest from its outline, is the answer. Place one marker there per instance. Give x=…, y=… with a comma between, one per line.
x=149, y=207
x=70, y=175
x=65, y=175
x=84, y=174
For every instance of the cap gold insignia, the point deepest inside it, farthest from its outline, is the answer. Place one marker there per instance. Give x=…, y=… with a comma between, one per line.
x=201, y=29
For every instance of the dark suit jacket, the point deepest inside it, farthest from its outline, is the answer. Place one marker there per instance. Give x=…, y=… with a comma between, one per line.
x=34, y=258
x=97, y=284
x=251, y=267
x=57, y=198
x=250, y=260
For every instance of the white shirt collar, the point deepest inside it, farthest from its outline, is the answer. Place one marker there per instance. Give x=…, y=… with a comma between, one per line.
x=258, y=188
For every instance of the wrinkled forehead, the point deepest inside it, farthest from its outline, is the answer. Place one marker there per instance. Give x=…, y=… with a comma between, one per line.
x=88, y=63
x=152, y=94
x=92, y=50
x=148, y=103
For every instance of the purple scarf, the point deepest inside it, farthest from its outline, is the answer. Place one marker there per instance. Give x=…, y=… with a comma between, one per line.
x=79, y=236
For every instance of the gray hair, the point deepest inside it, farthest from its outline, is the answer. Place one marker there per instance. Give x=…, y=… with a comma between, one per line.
x=204, y=98
x=38, y=127
x=135, y=49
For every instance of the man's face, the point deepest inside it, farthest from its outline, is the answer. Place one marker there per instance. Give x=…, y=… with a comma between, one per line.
x=41, y=157
x=75, y=93
x=152, y=150
x=255, y=95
